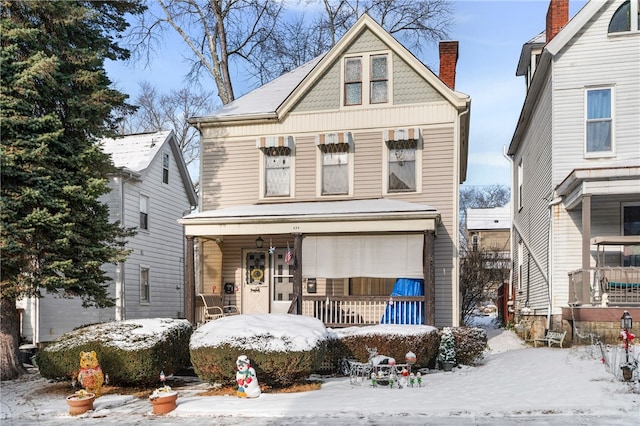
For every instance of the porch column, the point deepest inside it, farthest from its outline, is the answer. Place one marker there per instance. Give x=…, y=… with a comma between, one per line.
x=586, y=239
x=429, y=271
x=297, y=272
x=190, y=282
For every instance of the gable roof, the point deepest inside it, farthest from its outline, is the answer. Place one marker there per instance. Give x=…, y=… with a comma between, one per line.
x=551, y=49
x=275, y=99
x=135, y=153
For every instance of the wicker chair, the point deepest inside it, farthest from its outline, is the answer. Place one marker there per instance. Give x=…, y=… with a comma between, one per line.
x=214, y=308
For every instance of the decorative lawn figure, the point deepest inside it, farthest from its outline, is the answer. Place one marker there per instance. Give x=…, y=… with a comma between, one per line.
x=248, y=386
x=90, y=375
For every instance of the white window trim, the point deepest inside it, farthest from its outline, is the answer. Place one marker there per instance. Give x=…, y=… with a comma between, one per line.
x=148, y=269
x=366, y=80
x=520, y=184
x=319, y=165
x=141, y=196
x=600, y=154
x=168, y=168
x=292, y=168
x=385, y=167
x=633, y=24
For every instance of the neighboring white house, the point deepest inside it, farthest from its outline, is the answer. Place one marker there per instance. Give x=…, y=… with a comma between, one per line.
x=151, y=192
x=576, y=171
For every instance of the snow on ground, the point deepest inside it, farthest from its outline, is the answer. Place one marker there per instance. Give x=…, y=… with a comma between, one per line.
x=513, y=384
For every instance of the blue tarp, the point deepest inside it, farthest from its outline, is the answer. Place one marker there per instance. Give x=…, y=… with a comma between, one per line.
x=405, y=312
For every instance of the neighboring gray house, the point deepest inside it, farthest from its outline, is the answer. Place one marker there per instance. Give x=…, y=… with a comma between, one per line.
x=323, y=187
x=151, y=192
x=576, y=172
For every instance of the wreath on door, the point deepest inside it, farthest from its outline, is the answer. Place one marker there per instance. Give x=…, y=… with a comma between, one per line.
x=257, y=274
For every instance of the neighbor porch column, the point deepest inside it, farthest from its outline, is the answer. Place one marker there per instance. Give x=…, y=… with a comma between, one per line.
x=190, y=282
x=586, y=239
x=429, y=271
x=297, y=272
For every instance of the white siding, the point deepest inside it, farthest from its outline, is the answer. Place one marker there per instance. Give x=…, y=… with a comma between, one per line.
x=595, y=58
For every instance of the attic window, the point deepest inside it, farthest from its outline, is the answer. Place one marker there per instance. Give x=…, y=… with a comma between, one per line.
x=165, y=167
x=353, y=81
x=622, y=18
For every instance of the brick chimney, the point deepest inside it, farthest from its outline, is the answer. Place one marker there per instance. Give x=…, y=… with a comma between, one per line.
x=557, y=17
x=448, y=61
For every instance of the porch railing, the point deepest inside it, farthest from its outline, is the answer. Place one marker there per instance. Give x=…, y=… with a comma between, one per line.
x=617, y=285
x=346, y=311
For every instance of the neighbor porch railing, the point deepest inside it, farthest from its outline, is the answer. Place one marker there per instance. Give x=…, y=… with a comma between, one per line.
x=618, y=285
x=346, y=311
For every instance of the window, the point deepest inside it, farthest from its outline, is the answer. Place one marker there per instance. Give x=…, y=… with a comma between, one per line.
x=335, y=168
x=631, y=226
x=520, y=265
x=520, y=178
x=277, y=171
x=353, y=81
x=144, y=284
x=379, y=79
x=474, y=242
x=144, y=212
x=165, y=167
x=402, y=165
x=599, y=122
x=622, y=21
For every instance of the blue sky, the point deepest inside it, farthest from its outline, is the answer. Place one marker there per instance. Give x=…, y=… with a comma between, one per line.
x=490, y=35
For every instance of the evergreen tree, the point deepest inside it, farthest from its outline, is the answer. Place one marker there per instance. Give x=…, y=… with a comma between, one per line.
x=55, y=104
x=447, y=349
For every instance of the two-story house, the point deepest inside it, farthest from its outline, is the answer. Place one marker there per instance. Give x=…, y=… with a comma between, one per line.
x=325, y=187
x=151, y=191
x=488, y=231
x=576, y=171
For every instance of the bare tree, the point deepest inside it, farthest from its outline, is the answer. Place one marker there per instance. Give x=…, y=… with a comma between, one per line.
x=170, y=111
x=266, y=41
x=482, y=271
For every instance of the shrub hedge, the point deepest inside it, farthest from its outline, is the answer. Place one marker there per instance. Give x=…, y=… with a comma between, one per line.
x=470, y=343
x=130, y=352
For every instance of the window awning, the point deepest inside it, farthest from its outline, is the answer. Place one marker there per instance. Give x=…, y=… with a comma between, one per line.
x=274, y=142
x=334, y=138
x=407, y=134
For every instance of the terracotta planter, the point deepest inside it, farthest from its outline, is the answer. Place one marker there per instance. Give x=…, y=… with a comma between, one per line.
x=79, y=405
x=164, y=404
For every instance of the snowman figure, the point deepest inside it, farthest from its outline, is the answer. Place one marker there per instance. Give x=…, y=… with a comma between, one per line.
x=248, y=386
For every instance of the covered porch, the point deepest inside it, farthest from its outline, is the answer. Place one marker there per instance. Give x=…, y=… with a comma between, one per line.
x=337, y=261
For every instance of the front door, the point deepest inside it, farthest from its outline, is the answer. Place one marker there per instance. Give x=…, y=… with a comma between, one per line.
x=282, y=281
x=255, y=283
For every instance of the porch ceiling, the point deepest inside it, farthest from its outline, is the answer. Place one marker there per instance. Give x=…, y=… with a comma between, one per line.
x=379, y=215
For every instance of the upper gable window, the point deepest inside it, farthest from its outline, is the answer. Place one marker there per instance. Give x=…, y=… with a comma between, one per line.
x=622, y=18
x=599, y=121
x=379, y=79
x=353, y=81
x=165, y=167
x=144, y=212
x=360, y=91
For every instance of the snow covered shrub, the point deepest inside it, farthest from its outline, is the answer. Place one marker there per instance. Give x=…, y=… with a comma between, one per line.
x=284, y=349
x=391, y=340
x=470, y=343
x=131, y=352
x=447, y=348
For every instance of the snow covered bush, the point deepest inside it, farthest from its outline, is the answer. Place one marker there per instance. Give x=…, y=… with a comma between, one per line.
x=131, y=352
x=284, y=349
x=470, y=344
x=390, y=340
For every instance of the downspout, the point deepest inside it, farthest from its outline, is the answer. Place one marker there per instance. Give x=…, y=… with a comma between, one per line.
x=550, y=269
x=456, y=295
x=511, y=240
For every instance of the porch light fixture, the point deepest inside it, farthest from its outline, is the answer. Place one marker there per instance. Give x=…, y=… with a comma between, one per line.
x=626, y=322
x=259, y=242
